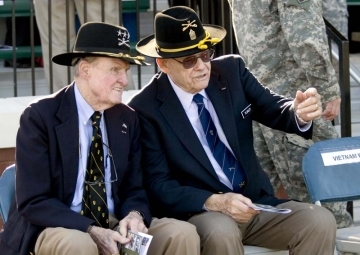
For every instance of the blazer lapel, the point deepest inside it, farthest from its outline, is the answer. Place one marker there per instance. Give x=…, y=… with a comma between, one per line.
x=68, y=138
x=174, y=114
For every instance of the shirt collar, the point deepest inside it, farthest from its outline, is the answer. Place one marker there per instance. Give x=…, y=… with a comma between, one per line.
x=185, y=98
x=85, y=111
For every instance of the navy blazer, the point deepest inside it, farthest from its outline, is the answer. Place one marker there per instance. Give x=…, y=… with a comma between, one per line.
x=47, y=158
x=177, y=172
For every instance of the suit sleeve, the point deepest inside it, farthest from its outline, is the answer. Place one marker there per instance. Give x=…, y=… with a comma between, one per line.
x=268, y=107
x=34, y=193
x=304, y=30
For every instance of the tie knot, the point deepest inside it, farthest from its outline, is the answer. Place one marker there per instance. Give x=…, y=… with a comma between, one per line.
x=96, y=117
x=198, y=99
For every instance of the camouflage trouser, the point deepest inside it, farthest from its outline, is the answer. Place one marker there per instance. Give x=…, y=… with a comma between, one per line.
x=281, y=154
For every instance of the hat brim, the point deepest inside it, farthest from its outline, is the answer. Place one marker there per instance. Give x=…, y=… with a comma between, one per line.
x=66, y=59
x=147, y=46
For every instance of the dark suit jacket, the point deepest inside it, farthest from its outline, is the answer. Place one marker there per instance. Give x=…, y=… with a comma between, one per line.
x=47, y=157
x=177, y=172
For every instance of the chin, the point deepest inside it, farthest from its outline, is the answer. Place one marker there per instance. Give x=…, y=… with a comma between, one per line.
x=203, y=85
x=116, y=100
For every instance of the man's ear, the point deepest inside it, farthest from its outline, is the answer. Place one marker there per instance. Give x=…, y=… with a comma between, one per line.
x=163, y=65
x=84, y=68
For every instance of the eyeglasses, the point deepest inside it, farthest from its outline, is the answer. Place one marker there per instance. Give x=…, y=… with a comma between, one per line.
x=190, y=62
x=108, y=156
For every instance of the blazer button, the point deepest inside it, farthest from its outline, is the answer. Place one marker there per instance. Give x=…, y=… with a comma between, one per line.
x=220, y=192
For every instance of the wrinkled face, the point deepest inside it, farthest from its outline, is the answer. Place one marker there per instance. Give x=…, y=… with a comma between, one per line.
x=190, y=73
x=107, y=79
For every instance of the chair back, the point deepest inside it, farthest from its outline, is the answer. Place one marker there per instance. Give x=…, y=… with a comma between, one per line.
x=7, y=191
x=331, y=170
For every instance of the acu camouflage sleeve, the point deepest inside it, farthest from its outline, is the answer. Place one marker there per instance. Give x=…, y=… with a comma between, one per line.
x=304, y=29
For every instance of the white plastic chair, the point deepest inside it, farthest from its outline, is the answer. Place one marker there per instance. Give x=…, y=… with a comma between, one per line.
x=331, y=171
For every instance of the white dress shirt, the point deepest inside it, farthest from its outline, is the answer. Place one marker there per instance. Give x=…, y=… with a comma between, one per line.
x=85, y=112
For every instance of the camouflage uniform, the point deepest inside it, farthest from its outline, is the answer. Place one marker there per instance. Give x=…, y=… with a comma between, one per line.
x=335, y=11
x=284, y=44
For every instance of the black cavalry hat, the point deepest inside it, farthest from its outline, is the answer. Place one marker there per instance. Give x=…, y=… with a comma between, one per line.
x=178, y=33
x=100, y=39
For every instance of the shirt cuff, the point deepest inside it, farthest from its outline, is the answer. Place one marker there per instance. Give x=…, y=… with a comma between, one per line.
x=304, y=128
x=204, y=208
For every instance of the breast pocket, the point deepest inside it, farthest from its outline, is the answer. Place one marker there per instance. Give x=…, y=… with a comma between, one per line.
x=267, y=7
x=302, y=4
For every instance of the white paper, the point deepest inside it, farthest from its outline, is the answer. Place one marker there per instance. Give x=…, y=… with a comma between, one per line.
x=269, y=208
x=145, y=243
x=341, y=157
x=139, y=244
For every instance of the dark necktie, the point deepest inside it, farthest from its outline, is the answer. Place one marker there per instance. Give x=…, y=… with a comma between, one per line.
x=222, y=154
x=94, y=204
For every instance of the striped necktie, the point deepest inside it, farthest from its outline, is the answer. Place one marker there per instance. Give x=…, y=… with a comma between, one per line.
x=222, y=154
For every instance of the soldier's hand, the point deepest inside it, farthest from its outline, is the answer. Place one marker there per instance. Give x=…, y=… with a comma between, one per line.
x=332, y=109
x=232, y=204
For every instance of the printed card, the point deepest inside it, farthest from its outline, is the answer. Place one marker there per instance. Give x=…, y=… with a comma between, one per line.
x=269, y=208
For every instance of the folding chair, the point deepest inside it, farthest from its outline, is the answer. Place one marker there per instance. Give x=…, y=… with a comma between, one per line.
x=331, y=171
x=7, y=191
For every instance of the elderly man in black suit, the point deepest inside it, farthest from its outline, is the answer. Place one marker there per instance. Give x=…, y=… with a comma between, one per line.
x=198, y=157
x=78, y=162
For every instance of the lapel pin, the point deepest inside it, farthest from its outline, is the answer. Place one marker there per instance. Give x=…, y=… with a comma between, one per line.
x=242, y=184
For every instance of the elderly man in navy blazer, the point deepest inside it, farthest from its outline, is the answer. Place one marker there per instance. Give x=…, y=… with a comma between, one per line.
x=78, y=162
x=198, y=157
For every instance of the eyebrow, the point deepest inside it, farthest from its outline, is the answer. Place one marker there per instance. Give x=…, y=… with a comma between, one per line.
x=124, y=65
